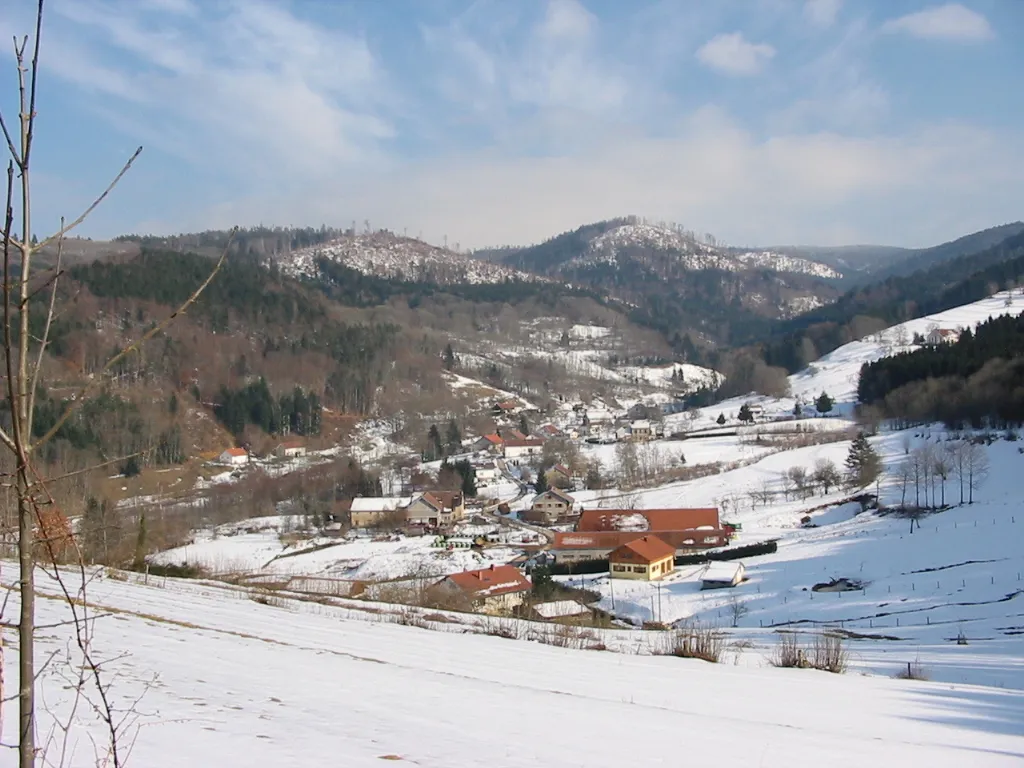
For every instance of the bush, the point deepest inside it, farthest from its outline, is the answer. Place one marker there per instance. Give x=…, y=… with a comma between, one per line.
x=697, y=641
x=914, y=671
x=788, y=653
x=828, y=653
x=174, y=570
x=733, y=553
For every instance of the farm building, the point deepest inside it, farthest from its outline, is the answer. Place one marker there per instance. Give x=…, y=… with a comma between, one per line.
x=236, y=457
x=654, y=520
x=576, y=546
x=366, y=511
x=722, y=575
x=290, y=450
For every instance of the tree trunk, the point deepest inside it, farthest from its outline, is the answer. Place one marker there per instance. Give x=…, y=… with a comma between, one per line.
x=26, y=627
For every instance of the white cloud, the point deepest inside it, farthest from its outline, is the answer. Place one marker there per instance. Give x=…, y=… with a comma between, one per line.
x=732, y=54
x=943, y=22
x=822, y=13
x=567, y=19
x=712, y=173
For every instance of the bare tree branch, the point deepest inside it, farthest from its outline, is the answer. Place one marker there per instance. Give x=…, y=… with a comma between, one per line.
x=85, y=214
x=8, y=223
x=79, y=397
x=46, y=330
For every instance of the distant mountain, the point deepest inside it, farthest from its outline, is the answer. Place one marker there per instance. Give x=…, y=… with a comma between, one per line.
x=667, y=249
x=392, y=257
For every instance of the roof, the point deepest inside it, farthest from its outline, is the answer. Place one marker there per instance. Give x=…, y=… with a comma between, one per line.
x=657, y=519
x=609, y=540
x=550, y=430
x=558, y=608
x=494, y=438
x=236, y=452
x=515, y=434
x=507, y=405
x=379, y=503
x=646, y=549
x=562, y=470
x=292, y=444
x=443, y=499
x=529, y=442
x=491, y=582
x=558, y=494
x=720, y=571
x=640, y=424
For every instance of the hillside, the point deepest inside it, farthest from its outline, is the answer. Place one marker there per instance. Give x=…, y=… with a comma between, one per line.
x=202, y=644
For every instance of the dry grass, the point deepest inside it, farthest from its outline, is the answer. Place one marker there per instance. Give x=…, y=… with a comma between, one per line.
x=697, y=641
x=827, y=653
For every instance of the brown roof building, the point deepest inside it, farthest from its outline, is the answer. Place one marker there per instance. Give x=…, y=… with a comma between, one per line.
x=647, y=558
x=654, y=520
x=497, y=589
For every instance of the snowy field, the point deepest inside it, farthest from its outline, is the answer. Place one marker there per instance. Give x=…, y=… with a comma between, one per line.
x=223, y=680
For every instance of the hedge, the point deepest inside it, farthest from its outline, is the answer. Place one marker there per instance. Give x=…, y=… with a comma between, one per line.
x=733, y=553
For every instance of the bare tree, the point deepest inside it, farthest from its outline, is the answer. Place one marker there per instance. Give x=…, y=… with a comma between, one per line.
x=976, y=465
x=827, y=475
x=958, y=458
x=737, y=610
x=43, y=534
x=942, y=466
x=904, y=474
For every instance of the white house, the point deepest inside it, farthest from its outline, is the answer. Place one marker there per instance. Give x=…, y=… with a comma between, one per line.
x=290, y=450
x=486, y=473
x=236, y=457
x=943, y=336
x=520, y=449
x=641, y=430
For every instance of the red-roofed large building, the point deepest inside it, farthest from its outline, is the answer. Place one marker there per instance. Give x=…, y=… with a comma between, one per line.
x=497, y=589
x=647, y=558
x=651, y=520
x=492, y=442
x=574, y=546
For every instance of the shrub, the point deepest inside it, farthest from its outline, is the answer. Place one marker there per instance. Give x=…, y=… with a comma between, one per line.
x=697, y=641
x=788, y=653
x=174, y=570
x=498, y=627
x=828, y=653
x=914, y=671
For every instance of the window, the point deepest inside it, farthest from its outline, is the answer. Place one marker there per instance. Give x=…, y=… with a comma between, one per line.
x=639, y=569
x=710, y=539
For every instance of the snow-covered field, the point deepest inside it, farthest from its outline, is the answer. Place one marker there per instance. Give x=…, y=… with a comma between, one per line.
x=223, y=680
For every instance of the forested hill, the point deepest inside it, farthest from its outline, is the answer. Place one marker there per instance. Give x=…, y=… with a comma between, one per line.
x=977, y=380
x=793, y=344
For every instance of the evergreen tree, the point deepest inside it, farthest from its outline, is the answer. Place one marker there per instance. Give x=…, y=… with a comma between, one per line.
x=540, y=483
x=863, y=465
x=435, y=448
x=464, y=468
x=797, y=410
x=720, y=419
x=524, y=425
x=824, y=403
x=448, y=359
x=172, y=404
x=453, y=439
x=745, y=414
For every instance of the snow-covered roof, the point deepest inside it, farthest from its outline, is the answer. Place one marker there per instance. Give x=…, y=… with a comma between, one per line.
x=379, y=503
x=558, y=608
x=720, y=571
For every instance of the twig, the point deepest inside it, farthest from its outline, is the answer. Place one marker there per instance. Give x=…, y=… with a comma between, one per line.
x=49, y=320
x=79, y=398
x=85, y=214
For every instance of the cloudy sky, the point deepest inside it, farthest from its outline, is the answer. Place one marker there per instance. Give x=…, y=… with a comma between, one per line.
x=507, y=121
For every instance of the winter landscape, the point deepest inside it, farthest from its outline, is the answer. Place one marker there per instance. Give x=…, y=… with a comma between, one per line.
x=486, y=470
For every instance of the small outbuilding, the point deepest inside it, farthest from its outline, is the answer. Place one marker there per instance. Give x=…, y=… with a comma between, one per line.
x=236, y=457
x=723, y=575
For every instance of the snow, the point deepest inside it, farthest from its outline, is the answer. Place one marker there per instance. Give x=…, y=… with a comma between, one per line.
x=560, y=608
x=226, y=681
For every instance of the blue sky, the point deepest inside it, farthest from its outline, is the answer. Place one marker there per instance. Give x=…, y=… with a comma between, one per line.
x=507, y=121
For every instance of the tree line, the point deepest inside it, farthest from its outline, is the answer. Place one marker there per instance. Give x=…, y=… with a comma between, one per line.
x=297, y=412
x=974, y=381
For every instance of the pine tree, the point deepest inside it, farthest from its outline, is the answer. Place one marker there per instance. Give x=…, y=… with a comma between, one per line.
x=745, y=413
x=435, y=448
x=797, y=410
x=541, y=481
x=453, y=439
x=862, y=463
x=448, y=359
x=720, y=419
x=824, y=403
x=524, y=425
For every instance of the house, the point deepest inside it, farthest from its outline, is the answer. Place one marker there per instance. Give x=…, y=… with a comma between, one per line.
x=641, y=412
x=497, y=589
x=549, y=432
x=505, y=408
x=942, y=336
x=486, y=473
x=549, y=506
x=367, y=511
x=652, y=520
x=562, y=611
x=492, y=443
x=236, y=457
x=559, y=476
x=436, y=509
x=574, y=547
x=647, y=558
x=510, y=433
x=722, y=575
x=641, y=430
x=514, y=450
x=290, y=450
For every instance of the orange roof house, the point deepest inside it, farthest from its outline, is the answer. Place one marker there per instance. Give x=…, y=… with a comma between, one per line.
x=647, y=558
x=497, y=589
